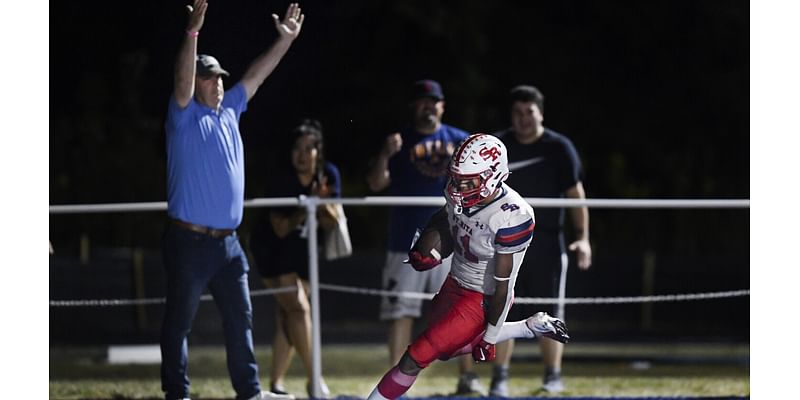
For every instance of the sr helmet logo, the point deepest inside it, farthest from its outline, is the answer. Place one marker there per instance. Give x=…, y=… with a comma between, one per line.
x=492, y=153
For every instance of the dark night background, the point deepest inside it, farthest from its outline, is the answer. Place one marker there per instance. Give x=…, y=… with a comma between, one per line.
x=654, y=95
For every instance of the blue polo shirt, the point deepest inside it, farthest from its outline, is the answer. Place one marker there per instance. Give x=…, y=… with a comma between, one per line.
x=419, y=169
x=205, y=161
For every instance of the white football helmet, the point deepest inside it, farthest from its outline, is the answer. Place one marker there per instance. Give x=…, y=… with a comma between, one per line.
x=476, y=171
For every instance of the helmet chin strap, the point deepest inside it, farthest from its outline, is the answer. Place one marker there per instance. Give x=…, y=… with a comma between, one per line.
x=458, y=207
x=457, y=202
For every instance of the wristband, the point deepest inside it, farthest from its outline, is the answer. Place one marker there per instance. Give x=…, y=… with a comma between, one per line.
x=192, y=34
x=492, y=332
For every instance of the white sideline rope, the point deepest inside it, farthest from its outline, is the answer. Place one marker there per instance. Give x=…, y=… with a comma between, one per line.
x=375, y=292
x=154, y=300
x=553, y=300
x=418, y=295
x=417, y=201
x=635, y=299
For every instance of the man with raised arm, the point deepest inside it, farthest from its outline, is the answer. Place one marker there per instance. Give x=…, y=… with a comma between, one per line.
x=205, y=196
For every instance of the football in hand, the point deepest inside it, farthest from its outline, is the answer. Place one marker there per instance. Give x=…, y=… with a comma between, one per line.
x=435, y=242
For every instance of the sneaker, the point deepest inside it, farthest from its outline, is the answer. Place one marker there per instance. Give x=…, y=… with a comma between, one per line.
x=499, y=386
x=553, y=384
x=542, y=324
x=278, y=389
x=468, y=384
x=265, y=395
x=326, y=392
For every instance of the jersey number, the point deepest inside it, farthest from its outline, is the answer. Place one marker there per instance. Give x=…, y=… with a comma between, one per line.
x=462, y=246
x=509, y=207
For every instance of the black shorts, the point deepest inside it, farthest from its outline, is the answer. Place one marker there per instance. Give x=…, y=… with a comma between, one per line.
x=280, y=256
x=539, y=275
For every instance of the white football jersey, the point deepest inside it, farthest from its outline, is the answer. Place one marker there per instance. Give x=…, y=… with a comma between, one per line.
x=503, y=226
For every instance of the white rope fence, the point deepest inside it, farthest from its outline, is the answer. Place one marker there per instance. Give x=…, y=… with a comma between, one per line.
x=553, y=300
x=419, y=295
x=635, y=299
x=153, y=300
x=417, y=201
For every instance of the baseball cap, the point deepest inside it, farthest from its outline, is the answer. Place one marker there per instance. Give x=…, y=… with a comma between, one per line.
x=208, y=66
x=427, y=88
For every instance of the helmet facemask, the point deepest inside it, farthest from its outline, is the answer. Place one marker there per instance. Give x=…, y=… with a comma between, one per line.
x=465, y=190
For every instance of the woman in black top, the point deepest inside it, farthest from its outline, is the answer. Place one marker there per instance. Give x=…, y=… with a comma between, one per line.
x=280, y=247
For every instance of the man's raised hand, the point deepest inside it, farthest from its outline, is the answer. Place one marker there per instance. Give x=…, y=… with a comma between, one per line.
x=197, y=14
x=392, y=145
x=290, y=26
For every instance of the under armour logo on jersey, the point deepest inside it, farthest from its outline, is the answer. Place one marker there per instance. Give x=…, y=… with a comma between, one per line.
x=492, y=153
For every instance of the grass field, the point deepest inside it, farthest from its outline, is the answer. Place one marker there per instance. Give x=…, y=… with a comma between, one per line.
x=353, y=370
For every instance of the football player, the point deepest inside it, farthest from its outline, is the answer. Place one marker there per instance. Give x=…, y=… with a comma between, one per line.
x=491, y=227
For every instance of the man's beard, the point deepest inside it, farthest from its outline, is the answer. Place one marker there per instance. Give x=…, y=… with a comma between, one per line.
x=427, y=120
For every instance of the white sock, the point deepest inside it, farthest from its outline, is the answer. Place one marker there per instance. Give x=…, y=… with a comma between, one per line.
x=515, y=330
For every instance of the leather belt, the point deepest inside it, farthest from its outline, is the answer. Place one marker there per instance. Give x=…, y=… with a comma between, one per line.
x=214, y=233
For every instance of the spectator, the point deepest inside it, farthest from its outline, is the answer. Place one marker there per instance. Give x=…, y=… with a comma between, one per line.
x=205, y=195
x=543, y=163
x=280, y=248
x=413, y=162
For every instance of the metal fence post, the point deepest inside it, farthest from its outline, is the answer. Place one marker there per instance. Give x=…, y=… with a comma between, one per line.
x=311, y=204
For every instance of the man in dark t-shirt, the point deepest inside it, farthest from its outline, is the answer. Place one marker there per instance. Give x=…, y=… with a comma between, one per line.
x=543, y=163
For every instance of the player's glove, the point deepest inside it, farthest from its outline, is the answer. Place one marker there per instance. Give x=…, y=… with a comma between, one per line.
x=483, y=351
x=421, y=262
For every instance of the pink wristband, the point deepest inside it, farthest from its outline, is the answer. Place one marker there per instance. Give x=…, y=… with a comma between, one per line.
x=192, y=34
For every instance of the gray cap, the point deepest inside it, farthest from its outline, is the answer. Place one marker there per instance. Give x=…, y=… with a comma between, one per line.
x=209, y=66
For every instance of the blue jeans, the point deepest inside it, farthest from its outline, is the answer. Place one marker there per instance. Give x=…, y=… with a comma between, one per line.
x=194, y=261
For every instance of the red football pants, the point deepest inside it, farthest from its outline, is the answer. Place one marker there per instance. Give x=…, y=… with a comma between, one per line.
x=457, y=318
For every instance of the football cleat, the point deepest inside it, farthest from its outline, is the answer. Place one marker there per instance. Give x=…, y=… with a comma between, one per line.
x=542, y=324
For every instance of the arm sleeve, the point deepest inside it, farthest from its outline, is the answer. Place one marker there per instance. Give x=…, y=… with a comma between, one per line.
x=514, y=229
x=334, y=180
x=571, y=170
x=176, y=115
x=236, y=98
x=491, y=330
